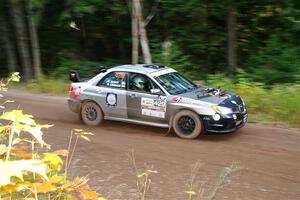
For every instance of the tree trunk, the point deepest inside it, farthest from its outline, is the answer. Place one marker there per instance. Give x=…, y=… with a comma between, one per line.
x=21, y=37
x=143, y=32
x=231, y=39
x=8, y=46
x=135, y=35
x=36, y=56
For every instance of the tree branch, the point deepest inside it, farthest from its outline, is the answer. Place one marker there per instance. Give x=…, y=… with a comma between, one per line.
x=152, y=13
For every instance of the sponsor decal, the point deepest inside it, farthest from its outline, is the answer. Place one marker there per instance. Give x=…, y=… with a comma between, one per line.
x=154, y=107
x=111, y=99
x=116, y=83
x=176, y=99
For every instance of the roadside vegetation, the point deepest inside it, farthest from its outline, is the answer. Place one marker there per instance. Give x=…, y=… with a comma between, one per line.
x=28, y=168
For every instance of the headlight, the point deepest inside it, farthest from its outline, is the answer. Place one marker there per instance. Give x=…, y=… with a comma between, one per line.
x=221, y=109
x=224, y=110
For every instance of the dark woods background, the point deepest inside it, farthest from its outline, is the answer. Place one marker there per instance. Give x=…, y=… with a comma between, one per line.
x=256, y=39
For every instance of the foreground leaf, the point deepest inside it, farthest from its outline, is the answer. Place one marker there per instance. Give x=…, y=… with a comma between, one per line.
x=87, y=194
x=10, y=169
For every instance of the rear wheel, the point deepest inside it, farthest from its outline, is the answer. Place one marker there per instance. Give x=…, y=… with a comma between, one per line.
x=91, y=114
x=187, y=124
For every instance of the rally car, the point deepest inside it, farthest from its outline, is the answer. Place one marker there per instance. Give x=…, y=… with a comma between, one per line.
x=155, y=95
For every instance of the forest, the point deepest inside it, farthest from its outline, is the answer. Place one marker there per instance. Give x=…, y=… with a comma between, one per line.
x=258, y=40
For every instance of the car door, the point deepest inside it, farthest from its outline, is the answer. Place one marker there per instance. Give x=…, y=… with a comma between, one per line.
x=111, y=92
x=141, y=103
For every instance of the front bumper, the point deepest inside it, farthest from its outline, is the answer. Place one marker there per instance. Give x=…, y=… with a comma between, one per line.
x=226, y=124
x=74, y=105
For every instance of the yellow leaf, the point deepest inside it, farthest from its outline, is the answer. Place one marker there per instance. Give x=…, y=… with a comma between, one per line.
x=73, y=25
x=77, y=183
x=141, y=175
x=57, y=179
x=53, y=159
x=152, y=171
x=45, y=187
x=15, y=77
x=78, y=130
x=3, y=149
x=10, y=169
x=85, y=138
x=87, y=194
x=190, y=193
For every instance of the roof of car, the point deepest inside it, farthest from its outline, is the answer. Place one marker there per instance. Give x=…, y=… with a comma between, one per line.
x=144, y=68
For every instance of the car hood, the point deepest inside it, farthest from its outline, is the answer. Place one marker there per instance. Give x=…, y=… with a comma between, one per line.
x=206, y=94
x=218, y=97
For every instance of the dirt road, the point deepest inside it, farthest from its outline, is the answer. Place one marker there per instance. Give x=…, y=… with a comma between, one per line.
x=270, y=157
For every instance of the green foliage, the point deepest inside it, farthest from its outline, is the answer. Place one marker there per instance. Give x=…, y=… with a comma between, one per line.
x=277, y=62
x=46, y=85
x=190, y=36
x=171, y=55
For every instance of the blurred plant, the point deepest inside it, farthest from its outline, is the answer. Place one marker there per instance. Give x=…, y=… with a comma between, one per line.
x=27, y=174
x=196, y=188
x=143, y=177
x=193, y=184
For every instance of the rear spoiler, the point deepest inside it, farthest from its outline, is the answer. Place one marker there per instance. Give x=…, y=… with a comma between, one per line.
x=74, y=75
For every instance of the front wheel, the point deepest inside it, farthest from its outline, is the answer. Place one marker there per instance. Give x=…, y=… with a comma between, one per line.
x=91, y=113
x=187, y=124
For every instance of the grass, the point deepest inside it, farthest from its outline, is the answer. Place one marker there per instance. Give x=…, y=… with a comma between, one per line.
x=45, y=85
x=277, y=104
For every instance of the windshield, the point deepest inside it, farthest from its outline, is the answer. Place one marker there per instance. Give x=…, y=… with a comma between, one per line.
x=175, y=83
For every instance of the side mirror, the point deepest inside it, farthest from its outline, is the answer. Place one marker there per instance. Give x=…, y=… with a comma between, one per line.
x=156, y=91
x=74, y=76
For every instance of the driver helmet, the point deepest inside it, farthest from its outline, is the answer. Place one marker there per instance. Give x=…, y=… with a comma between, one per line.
x=138, y=82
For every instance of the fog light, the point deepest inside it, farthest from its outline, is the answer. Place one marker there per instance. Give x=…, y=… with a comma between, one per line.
x=234, y=116
x=216, y=117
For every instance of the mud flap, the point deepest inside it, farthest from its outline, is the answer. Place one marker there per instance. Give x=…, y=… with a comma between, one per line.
x=170, y=127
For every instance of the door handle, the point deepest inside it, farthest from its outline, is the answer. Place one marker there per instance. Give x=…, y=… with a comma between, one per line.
x=132, y=95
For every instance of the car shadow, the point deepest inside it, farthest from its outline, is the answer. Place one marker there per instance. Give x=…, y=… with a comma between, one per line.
x=130, y=128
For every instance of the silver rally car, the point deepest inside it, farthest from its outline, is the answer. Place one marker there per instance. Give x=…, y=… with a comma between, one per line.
x=155, y=95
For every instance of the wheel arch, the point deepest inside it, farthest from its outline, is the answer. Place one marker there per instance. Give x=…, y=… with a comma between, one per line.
x=179, y=110
x=89, y=100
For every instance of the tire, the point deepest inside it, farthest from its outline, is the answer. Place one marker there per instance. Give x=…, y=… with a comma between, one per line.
x=187, y=124
x=91, y=114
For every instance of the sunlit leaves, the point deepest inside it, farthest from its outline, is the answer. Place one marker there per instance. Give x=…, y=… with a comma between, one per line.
x=86, y=194
x=15, y=77
x=25, y=174
x=74, y=25
x=190, y=193
x=83, y=134
x=3, y=149
x=54, y=160
x=80, y=185
x=57, y=179
x=45, y=187
x=23, y=122
x=77, y=183
x=10, y=169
